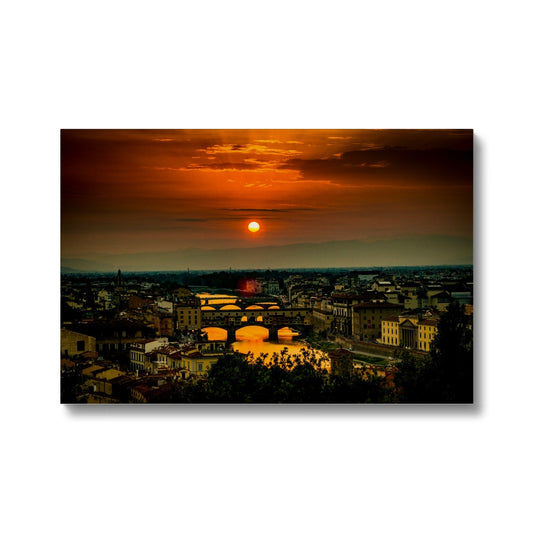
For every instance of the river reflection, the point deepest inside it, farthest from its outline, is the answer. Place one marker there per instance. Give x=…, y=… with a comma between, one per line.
x=254, y=340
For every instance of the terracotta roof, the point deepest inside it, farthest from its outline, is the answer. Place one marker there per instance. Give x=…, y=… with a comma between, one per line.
x=89, y=355
x=391, y=319
x=196, y=354
x=92, y=369
x=67, y=363
x=428, y=322
x=150, y=393
x=165, y=350
x=346, y=296
x=122, y=380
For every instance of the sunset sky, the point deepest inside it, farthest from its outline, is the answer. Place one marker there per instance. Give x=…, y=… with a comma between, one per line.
x=132, y=191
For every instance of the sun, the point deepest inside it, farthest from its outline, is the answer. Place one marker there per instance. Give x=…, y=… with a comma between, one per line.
x=253, y=227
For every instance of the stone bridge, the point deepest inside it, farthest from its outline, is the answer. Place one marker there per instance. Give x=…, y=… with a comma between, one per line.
x=243, y=303
x=231, y=320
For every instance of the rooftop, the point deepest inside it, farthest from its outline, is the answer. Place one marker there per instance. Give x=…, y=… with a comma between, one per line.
x=370, y=305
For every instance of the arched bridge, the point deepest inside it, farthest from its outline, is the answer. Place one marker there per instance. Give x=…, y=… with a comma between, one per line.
x=231, y=320
x=241, y=303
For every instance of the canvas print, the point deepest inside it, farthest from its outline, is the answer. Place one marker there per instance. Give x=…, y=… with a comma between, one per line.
x=267, y=266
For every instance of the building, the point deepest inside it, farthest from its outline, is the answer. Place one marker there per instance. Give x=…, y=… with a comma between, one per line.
x=150, y=391
x=390, y=333
x=162, y=322
x=187, y=313
x=270, y=286
x=140, y=349
x=382, y=286
x=439, y=300
x=409, y=331
x=427, y=330
x=158, y=360
x=322, y=317
x=104, y=299
x=74, y=343
x=100, y=385
x=139, y=302
x=113, y=337
x=412, y=293
x=197, y=363
x=341, y=362
x=197, y=360
x=341, y=304
x=367, y=317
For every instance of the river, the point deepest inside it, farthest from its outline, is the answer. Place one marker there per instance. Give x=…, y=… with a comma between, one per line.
x=254, y=339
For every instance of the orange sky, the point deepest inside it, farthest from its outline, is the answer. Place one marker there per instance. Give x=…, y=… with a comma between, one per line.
x=127, y=191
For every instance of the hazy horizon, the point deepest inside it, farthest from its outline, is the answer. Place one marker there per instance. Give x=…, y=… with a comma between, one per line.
x=408, y=251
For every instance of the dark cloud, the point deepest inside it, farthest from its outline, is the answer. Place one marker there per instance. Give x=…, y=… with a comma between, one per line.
x=92, y=152
x=390, y=166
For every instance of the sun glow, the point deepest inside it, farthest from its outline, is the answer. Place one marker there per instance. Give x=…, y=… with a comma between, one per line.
x=253, y=227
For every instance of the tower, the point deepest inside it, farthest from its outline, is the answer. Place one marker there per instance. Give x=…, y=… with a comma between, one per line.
x=119, y=281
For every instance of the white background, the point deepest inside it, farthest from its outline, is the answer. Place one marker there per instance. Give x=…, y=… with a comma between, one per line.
x=247, y=64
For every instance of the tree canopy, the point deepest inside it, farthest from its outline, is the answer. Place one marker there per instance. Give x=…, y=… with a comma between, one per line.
x=285, y=378
x=446, y=375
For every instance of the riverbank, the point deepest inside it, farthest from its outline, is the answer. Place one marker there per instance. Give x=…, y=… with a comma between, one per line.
x=320, y=343
x=364, y=352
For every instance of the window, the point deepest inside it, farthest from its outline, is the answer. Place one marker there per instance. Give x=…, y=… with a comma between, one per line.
x=80, y=346
x=200, y=367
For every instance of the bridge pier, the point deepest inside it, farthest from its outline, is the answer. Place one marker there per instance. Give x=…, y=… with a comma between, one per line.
x=231, y=335
x=273, y=334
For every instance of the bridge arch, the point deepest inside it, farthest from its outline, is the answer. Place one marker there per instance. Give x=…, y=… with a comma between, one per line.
x=287, y=332
x=216, y=334
x=254, y=332
x=230, y=307
x=253, y=307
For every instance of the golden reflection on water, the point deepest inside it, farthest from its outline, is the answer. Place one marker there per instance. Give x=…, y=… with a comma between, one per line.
x=254, y=339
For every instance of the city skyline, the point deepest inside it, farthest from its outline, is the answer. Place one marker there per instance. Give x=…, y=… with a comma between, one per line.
x=136, y=192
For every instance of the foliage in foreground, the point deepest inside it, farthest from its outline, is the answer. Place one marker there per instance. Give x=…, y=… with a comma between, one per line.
x=445, y=375
x=302, y=378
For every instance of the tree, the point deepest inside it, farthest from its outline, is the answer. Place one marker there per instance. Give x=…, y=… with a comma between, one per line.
x=285, y=378
x=446, y=375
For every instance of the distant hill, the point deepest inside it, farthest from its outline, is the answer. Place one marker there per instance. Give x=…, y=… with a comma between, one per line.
x=67, y=270
x=409, y=251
